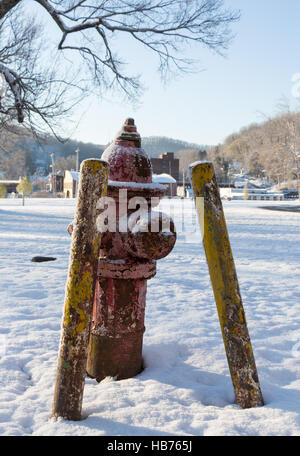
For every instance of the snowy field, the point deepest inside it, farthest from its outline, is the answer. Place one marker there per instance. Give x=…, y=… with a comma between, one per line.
x=185, y=388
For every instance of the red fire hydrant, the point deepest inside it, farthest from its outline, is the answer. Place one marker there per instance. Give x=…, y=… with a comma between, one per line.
x=134, y=239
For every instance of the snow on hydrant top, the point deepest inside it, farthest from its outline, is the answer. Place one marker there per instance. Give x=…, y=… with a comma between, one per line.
x=127, y=159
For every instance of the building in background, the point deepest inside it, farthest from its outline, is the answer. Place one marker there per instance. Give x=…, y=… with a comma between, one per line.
x=166, y=164
x=70, y=187
x=168, y=181
x=56, y=183
x=11, y=185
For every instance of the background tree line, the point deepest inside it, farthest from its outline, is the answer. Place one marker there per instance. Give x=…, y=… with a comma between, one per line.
x=270, y=149
x=22, y=155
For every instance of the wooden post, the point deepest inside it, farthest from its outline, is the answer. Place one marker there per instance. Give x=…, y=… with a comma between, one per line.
x=79, y=294
x=225, y=286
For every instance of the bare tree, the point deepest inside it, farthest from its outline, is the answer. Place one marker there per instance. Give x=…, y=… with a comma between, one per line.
x=35, y=90
x=289, y=142
x=221, y=163
x=88, y=28
x=64, y=163
x=271, y=148
x=188, y=156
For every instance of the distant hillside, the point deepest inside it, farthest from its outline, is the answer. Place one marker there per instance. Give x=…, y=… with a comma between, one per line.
x=39, y=155
x=25, y=156
x=156, y=145
x=153, y=145
x=86, y=150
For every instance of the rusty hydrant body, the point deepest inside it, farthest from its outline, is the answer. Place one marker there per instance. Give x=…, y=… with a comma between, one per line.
x=134, y=238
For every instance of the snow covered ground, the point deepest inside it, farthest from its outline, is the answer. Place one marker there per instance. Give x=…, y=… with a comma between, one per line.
x=185, y=388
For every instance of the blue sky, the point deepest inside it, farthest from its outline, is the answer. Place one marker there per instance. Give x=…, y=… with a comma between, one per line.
x=229, y=93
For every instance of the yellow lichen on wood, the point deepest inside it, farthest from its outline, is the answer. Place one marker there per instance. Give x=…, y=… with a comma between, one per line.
x=225, y=286
x=217, y=247
x=80, y=289
x=93, y=166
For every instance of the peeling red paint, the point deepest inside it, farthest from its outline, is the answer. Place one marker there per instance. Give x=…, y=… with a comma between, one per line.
x=127, y=260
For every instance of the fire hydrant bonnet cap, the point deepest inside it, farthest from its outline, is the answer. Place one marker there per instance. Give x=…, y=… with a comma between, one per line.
x=128, y=161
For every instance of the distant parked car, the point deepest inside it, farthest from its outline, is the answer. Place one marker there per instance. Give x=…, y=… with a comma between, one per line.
x=290, y=194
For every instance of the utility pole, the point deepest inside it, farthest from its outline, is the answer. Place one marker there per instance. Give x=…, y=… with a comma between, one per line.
x=53, y=175
x=77, y=159
x=170, y=172
x=77, y=168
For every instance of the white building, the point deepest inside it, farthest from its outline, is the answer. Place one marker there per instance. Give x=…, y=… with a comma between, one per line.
x=71, y=180
x=168, y=181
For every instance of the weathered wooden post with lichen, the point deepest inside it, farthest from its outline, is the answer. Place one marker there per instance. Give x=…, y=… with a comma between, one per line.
x=225, y=286
x=80, y=292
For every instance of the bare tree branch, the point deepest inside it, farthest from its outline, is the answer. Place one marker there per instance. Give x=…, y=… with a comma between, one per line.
x=87, y=30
